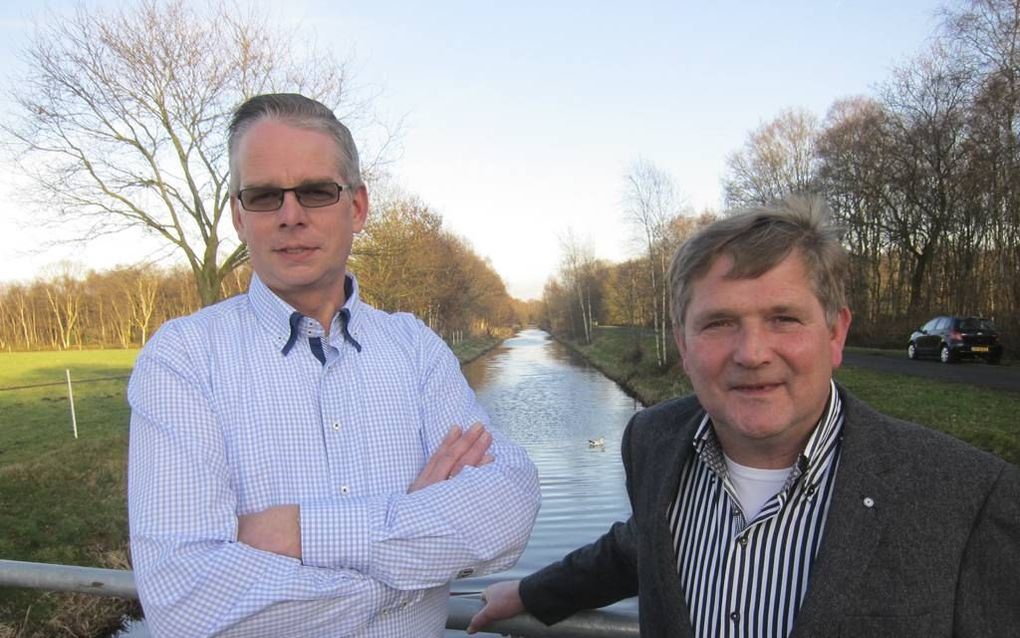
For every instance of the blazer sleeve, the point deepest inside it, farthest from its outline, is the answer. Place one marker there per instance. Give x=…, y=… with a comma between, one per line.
x=988, y=591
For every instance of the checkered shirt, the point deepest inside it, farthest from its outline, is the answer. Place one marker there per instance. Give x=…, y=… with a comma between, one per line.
x=231, y=416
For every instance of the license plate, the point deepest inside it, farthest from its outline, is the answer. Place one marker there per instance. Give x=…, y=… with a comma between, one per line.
x=979, y=349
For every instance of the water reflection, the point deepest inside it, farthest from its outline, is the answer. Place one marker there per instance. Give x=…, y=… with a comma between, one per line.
x=552, y=402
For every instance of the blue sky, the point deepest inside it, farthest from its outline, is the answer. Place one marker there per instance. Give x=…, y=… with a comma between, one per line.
x=521, y=118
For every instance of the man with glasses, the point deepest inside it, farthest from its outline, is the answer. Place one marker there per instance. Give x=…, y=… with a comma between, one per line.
x=301, y=463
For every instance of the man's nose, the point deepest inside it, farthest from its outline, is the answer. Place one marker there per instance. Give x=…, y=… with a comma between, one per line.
x=752, y=348
x=291, y=211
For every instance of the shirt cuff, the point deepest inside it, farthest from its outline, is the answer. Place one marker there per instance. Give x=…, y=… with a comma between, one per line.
x=338, y=534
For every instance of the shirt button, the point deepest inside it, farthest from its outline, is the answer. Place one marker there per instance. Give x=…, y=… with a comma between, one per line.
x=743, y=541
x=336, y=425
x=734, y=616
x=345, y=489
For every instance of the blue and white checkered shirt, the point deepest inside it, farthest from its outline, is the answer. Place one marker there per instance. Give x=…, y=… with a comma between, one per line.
x=231, y=414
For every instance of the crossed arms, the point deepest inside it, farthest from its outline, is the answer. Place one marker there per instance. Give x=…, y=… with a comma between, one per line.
x=205, y=563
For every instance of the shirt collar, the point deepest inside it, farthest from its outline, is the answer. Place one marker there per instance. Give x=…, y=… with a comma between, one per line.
x=286, y=324
x=810, y=462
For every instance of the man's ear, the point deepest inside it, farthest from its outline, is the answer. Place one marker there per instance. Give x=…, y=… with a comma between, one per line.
x=359, y=208
x=681, y=344
x=837, y=337
x=237, y=218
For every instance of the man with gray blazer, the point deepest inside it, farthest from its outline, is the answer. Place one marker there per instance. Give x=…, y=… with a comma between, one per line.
x=774, y=503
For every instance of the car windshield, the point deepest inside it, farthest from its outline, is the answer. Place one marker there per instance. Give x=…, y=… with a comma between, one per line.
x=974, y=324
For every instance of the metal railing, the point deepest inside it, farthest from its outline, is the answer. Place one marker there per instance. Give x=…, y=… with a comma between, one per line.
x=120, y=583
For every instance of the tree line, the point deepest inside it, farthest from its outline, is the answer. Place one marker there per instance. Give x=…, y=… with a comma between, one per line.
x=587, y=291
x=404, y=261
x=923, y=176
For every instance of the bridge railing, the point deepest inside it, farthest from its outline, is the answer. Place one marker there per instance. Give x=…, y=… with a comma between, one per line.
x=120, y=583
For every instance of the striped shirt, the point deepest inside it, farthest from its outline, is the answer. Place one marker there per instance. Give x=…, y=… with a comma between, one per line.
x=246, y=405
x=747, y=579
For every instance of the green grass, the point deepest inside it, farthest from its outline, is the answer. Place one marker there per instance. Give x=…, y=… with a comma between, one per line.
x=62, y=500
x=985, y=418
x=471, y=349
x=627, y=355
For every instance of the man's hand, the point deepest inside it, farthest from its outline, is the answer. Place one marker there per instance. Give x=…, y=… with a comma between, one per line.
x=277, y=530
x=458, y=449
x=502, y=600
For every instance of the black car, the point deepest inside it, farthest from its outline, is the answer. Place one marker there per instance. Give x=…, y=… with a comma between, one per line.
x=954, y=338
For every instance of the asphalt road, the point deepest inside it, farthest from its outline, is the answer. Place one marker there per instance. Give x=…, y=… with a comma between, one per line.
x=979, y=373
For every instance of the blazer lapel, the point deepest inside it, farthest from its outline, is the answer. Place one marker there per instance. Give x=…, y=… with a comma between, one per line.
x=861, y=503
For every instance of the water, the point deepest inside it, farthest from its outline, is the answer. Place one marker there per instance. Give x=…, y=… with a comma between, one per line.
x=552, y=402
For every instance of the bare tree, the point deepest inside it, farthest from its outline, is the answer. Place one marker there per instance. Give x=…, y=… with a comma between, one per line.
x=929, y=98
x=578, y=269
x=651, y=203
x=777, y=160
x=121, y=118
x=64, y=295
x=141, y=292
x=856, y=152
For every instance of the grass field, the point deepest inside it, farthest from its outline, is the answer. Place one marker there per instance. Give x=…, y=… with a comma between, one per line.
x=987, y=419
x=61, y=499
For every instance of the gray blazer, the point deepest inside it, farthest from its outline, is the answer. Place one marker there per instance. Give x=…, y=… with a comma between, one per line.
x=938, y=553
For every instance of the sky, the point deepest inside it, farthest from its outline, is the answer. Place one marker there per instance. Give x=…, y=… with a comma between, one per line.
x=521, y=119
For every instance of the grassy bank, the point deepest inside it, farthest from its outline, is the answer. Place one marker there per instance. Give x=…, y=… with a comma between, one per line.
x=984, y=418
x=470, y=349
x=63, y=500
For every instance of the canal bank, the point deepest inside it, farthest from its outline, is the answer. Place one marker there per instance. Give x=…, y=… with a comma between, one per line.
x=467, y=350
x=627, y=356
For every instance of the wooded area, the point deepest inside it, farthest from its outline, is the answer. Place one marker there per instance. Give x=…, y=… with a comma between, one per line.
x=924, y=176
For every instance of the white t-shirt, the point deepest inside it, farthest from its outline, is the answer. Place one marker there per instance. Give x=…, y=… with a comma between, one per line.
x=754, y=486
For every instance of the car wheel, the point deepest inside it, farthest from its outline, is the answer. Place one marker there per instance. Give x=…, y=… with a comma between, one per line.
x=995, y=360
x=945, y=354
x=911, y=351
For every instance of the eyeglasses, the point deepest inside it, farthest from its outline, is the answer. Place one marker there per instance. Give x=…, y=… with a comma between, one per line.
x=265, y=199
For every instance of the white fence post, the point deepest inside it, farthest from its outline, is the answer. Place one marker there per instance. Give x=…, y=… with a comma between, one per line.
x=70, y=399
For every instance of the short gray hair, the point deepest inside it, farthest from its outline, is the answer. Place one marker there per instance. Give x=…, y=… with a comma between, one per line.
x=298, y=111
x=758, y=239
